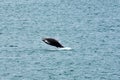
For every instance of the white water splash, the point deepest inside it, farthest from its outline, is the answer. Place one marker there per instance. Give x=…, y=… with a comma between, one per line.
x=59, y=49
x=65, y=48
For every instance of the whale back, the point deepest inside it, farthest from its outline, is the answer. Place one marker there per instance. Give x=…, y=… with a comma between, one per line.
x=52, y=42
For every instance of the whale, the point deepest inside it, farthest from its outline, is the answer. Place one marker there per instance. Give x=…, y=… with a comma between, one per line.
x=52, y=42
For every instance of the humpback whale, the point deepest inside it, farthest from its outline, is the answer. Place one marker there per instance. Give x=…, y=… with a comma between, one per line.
x=52, y=42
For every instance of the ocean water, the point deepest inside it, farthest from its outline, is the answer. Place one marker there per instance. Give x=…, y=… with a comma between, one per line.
x=90, y=27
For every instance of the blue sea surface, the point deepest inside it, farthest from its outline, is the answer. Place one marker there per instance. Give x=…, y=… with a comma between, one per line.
x=90, y=27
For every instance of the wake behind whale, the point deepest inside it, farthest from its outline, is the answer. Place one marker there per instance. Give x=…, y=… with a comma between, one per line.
x=65, y=48
x=59, y=49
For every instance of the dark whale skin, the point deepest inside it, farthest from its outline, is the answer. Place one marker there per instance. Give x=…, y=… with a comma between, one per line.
x=52, y=42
